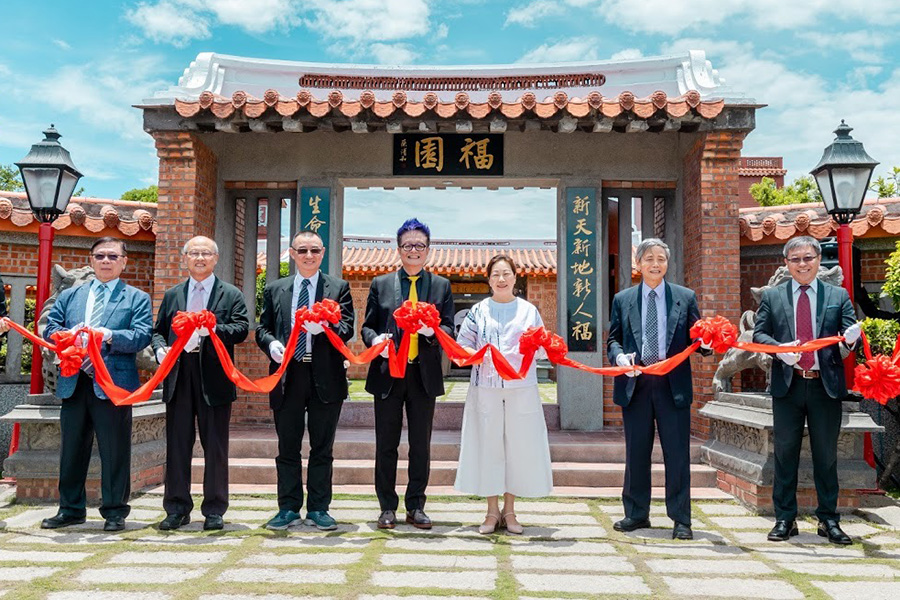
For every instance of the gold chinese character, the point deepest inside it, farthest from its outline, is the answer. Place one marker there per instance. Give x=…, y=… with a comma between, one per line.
x=314, y=202
x=314, y=224
x=582, y=268
x=581, y=331
x=581, y=246
x=430, y=153
x=582, y=286
x=582, y=205
x=482, y=159
x=580, y=227
x=580, y=310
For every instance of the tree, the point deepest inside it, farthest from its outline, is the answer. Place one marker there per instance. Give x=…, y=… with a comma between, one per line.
x=887, y=187
x=801, y=191
x=147, y=194
x=9, y=179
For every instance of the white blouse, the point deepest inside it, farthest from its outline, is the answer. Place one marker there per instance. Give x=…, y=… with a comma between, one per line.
x=500, y=324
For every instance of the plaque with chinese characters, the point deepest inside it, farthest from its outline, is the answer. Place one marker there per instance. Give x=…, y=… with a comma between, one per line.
x=448, y=154
x=315, y=215
x=581, y=265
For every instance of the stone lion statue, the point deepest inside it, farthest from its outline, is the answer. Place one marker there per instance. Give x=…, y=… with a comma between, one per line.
x=736, y=360
x=60, y=280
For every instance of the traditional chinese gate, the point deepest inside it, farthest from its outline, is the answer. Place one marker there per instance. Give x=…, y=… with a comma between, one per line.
x=636, y=149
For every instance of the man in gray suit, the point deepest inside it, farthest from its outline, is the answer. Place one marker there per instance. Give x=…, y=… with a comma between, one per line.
x=807, y=388
x=650, y=322
x=122, y=314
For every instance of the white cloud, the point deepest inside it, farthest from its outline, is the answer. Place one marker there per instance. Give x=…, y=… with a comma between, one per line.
x=530, y=15
x=262, y=16
x=441, y=32
x=361, y=21
x=862, y=46
x=859, y=77
x=574, y=49
x=62, y=44
x=627, y=54
x=169, y=22
x=393, y=54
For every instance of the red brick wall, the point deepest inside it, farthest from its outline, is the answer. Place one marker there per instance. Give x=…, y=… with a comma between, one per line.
x=710, y=191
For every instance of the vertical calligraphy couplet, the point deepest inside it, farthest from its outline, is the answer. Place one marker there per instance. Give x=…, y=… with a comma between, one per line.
x=315, y=214
x=581, y=269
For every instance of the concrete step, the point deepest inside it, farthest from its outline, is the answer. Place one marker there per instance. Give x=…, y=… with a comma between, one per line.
x=359, y=443
x=447, y=415
x=443, y=473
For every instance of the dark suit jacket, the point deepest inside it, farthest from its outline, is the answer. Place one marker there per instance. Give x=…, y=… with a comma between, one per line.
x=625, y=337
x=384, y=298
x=3, y=311
x=127, y=314
x=329, y=374
x=232, y=327
x=775, y=325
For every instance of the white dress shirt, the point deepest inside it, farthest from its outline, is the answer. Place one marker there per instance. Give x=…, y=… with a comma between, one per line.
x=207, y=284
x=812, y=295
x=295, y=296
x=661, y=316
x=89, y=307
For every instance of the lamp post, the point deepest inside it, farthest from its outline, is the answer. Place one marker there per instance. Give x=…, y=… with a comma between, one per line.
x=50, y=178
x=843, y=176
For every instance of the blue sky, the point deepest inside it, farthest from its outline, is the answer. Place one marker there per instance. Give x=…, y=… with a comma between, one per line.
x=81, y=65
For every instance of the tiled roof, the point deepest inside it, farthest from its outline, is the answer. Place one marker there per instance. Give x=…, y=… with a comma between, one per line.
x=95, y=214
x=594, y=103
x=761, y=172
x=777, y=223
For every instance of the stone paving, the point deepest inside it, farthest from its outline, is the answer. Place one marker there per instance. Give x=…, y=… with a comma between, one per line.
x=569, y=550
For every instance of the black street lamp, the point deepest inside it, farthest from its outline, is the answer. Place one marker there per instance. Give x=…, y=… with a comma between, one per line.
x=50, y=178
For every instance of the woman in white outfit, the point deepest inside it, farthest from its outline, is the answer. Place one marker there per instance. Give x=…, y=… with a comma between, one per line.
x=504, y=437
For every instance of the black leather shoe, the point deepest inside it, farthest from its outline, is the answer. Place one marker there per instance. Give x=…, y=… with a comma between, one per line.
x=783, y=531
x=418, y=519
x=174, y=521
x=682, y=532
x=213, y=522
x=387, y=519
x=832, y=530
x=629, y=524
x=61, y=520
x=114, y=524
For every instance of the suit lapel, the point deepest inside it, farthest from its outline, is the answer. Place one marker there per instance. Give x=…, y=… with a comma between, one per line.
x=821, y=290
x=321, y=287
x=787, y=297
x=216, y=296
x=673, y=313
x=426, y=287
x=398, y=291
x=634, y=316
x=114, y=299
x=181, y=296
x=81, y=300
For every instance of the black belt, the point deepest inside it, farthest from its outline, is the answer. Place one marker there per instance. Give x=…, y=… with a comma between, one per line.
x=807, y=374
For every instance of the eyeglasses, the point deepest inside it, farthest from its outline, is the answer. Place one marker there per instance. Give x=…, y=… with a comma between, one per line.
x=312, y=251
x=201, y=254
x=504, y=275
x=802, y=259
x=418, y=247
x=100, y=257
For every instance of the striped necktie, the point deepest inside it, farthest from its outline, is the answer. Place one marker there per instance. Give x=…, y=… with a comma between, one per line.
x=302, y=300
x=650, y=353
x=414, y=298
x=96, y=320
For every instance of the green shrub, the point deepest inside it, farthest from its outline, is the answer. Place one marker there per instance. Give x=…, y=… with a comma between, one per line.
x=261, y=285
x=882, y=334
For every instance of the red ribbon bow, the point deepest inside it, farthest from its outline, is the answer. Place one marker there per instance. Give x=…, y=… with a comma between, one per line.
x=717, y=332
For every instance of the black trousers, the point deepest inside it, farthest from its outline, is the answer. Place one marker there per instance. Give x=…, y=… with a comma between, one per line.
x=186, y=406
x=302, y=404
x=80, y=418
x=652, y=408
x=806, y=403
x=408, y=392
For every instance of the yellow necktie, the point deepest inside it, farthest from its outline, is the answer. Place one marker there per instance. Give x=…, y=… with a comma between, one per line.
x=413, y=297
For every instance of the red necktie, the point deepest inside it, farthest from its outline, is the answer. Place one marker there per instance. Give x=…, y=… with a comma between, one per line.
x=805, y=328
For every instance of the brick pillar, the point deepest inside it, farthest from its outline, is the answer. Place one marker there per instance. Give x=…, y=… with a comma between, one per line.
x=712, y=259
x=187, y=203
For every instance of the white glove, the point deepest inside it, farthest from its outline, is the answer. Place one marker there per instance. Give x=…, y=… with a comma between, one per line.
x=107, y=334
x=4, y=325
x=851, y=334
x=705, y=346
x=161, y=354
x=380, y=338
x=203, y=331
x=276, y=351
x=627, y=360
x=193, y=342
x=426, y=331
x=789, y=358
x=314, y=327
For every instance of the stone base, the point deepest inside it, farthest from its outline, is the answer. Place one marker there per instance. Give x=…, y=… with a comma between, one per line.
x=36, y=464
x=758, y=498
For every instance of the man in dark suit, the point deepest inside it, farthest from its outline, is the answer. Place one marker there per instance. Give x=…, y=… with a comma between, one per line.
x=197, y=388
x=649, y=323
x=807, y=388
x=3, y=312
x=423, y=382
x=122, y=314
x=314, y=386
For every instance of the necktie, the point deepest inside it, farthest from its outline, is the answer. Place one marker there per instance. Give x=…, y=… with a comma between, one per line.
x=197, y=303
x=302, y=300
x=805, y=328
x=413, y=297
x=650, y=353
x=96, y=321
